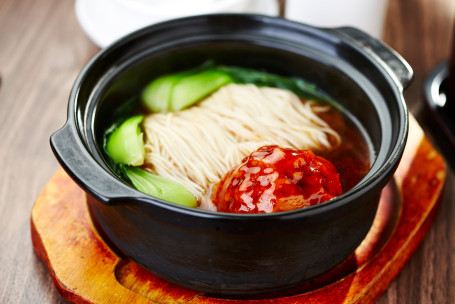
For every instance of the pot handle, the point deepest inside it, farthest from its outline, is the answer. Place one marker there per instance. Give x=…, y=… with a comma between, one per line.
x=398, y=68
x=84, y=169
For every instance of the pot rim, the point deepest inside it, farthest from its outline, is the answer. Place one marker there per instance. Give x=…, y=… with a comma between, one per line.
x=372, y=180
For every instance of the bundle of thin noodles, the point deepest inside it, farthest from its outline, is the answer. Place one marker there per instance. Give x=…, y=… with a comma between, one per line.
x=197, y=146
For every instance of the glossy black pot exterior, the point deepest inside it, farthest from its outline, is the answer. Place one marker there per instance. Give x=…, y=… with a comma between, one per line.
x=229, y=253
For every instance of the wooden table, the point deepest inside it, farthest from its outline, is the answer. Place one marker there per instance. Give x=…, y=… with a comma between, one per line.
x=42, y=49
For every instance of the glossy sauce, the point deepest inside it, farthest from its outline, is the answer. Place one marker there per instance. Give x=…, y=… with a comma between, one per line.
x=273, y=179
x=353, y=157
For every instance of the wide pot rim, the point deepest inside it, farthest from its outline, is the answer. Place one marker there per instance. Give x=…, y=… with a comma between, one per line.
x=397, y=76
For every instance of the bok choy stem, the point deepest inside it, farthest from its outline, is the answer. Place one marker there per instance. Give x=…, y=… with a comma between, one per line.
x=160, y=187
x=126, y=144
x=126, y=150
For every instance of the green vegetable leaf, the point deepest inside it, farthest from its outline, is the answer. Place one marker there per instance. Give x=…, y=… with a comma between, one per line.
x=157, y=94
x=190, y=89
x=126, y=145
x=263, y=79
x=160, y=187
x=178, y=91
x=123, y=147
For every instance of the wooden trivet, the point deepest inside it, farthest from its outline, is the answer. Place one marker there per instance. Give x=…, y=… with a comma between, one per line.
x=86, y=270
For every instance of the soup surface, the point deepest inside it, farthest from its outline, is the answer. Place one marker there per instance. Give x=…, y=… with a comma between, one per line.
x=353, y=157
x=199, y=140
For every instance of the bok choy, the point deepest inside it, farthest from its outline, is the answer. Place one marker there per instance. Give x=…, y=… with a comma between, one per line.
x=175, y=92
x=126, y=144
x=125, y=151
x=161, y=187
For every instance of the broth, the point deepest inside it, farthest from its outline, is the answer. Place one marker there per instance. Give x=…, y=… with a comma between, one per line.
x=212, y=136
x=353, y=157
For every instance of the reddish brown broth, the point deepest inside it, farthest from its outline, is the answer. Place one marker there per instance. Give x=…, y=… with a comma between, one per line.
x=352, y=157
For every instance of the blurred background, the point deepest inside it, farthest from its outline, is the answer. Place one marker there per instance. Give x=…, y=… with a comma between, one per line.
x=107, y=20
x=45, y=43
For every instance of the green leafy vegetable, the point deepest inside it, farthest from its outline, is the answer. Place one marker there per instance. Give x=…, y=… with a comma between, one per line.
x=124, y=149
x=157, y=94
x=178, y=91
x=192, y=88
x=160, y=187
x=263, y=79
x=126, y=145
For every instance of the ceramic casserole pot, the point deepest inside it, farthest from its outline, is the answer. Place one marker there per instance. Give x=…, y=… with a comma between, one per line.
x=225, y=253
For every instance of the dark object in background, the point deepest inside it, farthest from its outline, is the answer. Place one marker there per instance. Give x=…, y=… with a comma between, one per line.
x=450, y=86
x=439, y=91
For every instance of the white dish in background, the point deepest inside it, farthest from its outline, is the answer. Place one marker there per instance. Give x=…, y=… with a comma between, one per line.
x=367, y=15
x=105, y=21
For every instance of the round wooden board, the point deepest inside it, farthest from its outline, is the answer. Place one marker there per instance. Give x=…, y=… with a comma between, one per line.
x=86, y=270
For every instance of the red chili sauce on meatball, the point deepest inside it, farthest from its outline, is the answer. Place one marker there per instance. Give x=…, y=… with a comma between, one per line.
x=274, y=179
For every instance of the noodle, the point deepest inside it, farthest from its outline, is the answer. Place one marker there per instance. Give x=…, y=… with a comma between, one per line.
x=198, y=146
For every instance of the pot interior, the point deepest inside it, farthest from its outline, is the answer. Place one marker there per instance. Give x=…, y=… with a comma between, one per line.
x=345, y=74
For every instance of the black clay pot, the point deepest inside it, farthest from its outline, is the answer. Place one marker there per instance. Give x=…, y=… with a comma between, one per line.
x=228, y=253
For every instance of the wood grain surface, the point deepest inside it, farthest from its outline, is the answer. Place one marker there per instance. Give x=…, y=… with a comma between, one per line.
x=86, y=270
x=42, y=49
